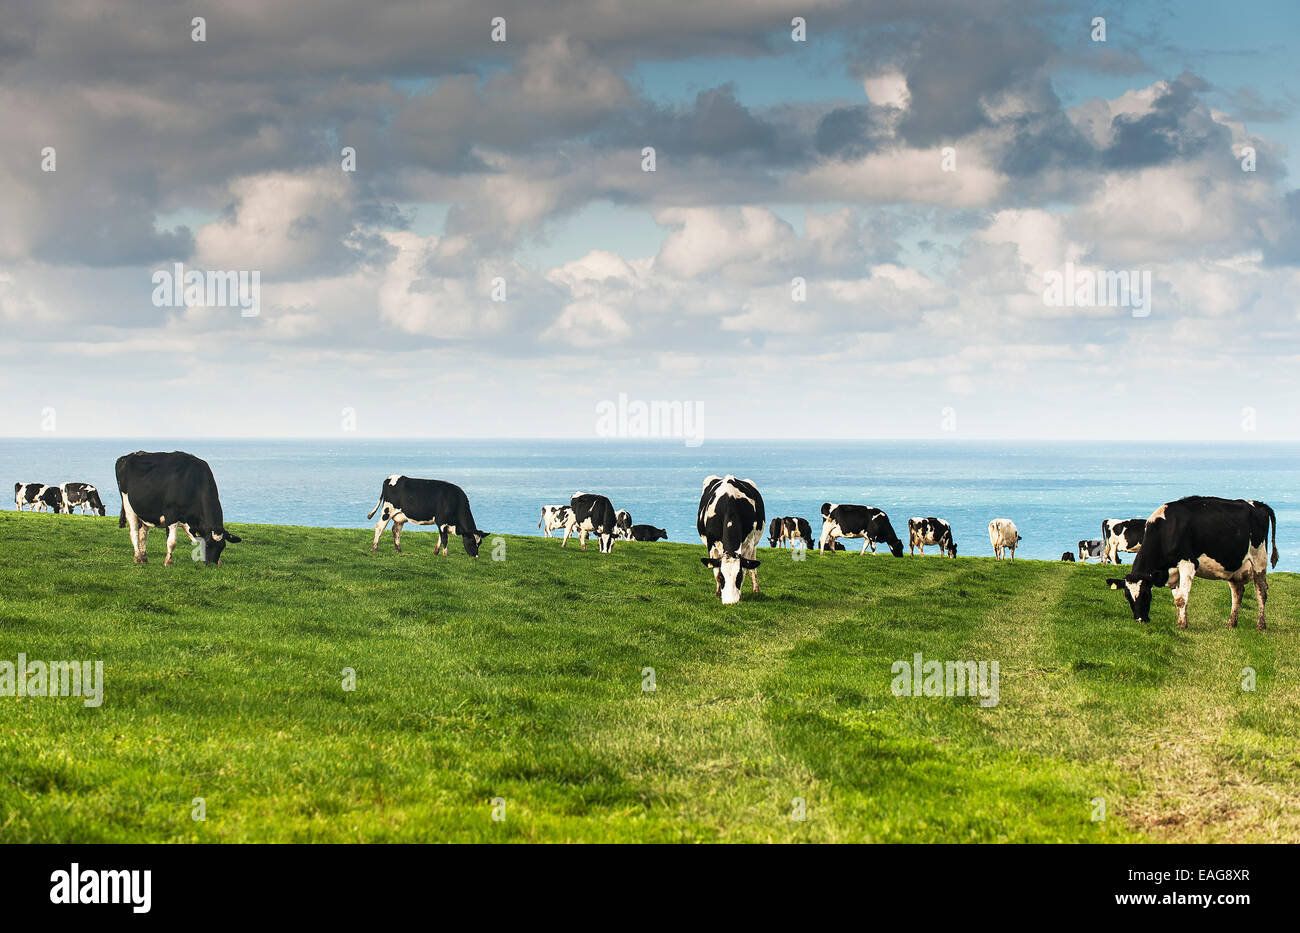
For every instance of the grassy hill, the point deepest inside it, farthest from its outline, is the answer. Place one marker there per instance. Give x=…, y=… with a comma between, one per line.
x=522, y=679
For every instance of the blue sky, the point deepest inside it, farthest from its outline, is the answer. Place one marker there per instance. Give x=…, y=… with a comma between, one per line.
x=513, y=171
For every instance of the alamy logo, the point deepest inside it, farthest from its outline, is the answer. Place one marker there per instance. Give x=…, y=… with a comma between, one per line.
x=1085, y=288
x=946, y=679
x=53, y=679
x=178, y=288
x=656, y=418
x=75, y=886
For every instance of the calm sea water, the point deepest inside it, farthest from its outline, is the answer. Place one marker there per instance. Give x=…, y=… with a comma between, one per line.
x=1055, y=492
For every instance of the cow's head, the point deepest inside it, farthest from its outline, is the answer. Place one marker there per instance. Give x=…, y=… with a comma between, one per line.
x=473, y=541
x=661, y=533
x=1137, y=589
x=951, y=547
x=214, y=542
x=729, y=574
x=606, y=538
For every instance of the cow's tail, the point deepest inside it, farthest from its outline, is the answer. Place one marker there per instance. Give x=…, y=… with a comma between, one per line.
x=542, y=519
x=1273, y=520
x=121, y=517
x=378, y=505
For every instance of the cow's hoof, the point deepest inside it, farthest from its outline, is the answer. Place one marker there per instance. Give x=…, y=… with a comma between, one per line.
x=1260, y=627
x=1232, y=623
x=167, y=562
x=1182, y=626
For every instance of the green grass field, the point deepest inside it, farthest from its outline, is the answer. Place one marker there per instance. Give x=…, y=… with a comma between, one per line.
x=521, y=679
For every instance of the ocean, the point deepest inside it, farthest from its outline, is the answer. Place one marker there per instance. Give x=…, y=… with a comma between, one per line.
x=1055, y=492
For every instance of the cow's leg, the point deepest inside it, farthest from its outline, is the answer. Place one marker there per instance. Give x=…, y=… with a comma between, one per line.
x=582, y=538
x=753, y=576
x=1261, y=596
x=922, y=548
x=142, y=536
x=397, y=535
x=1238, y=588
x=171, y=545
x=441, y=543
x=379, y=531
x=866, y=543
x=568, y=530
x=1186, y=573
x=136, y=528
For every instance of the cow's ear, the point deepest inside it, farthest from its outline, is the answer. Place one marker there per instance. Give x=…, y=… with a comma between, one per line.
x=747, y=564
x=1114, y=583
x=710, y=561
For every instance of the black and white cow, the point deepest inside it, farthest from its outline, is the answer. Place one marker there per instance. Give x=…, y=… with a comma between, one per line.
x=591, y=513
x=924, y=531
x=1121, y=534
x=648, y=533
x=1092, y=547
x=776, y=533
x=795, y=528
x=553, y=517
x=405, y=499
x=1222, y=539
x=623, y=524
x=38, y=497
x=171, y=490
x=858, y=521
x=1067, y=557
x=82, y=496
x=1004, y=536
x=730, y=523
x=51, y=497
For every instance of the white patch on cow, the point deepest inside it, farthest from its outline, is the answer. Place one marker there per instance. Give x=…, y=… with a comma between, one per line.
x=392, y=480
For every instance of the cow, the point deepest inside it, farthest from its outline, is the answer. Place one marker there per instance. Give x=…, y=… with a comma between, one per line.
x=835, y=546
x=794, y=528
x=1003, y=536
x=1067, y=557
x=623, y=524
x=1222, y=539
x=82, y=496
x=591, y=513
x=405, y=499
x=553, y=516
x=858, y=521
x=51, y=497
x=1092, y=547
x=38, y=497
x=647, y=533
x=1121, y=534
x=730, y=523
x=171, y=490
x=923, y=531
x=776, y=533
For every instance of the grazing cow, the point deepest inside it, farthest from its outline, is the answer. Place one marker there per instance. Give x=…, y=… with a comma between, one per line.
x=835, y=546
x=648, y=533
x=730, y=523
x=1092, y=547
x=1121, y=534
x=1222, y=539
x=426, y=502
x=923, y=531
x=591, y=513
x=51, y=497
x=1004, y=537
x=171, y=490
x=776, y=533
x=623, y=524
x=1067, y=557
x=82, y=496
x=795, y=527
x=858, y=521
x=554, y=516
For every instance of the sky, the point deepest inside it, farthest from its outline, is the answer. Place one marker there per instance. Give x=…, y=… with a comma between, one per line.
x=852, y=228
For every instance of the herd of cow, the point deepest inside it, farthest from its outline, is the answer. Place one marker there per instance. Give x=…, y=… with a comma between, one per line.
x=1221, y=539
